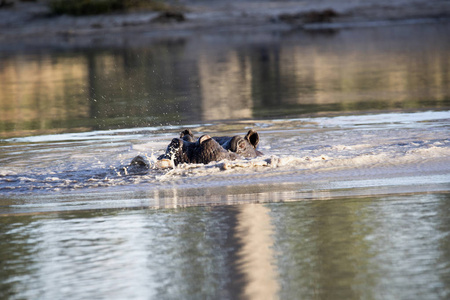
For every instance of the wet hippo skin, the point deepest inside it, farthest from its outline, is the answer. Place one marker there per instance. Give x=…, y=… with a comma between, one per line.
x=186, y=149
x=243, y=146
x=203, y=151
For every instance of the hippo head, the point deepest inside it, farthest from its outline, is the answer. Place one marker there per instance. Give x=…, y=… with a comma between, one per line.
x=243, y=146
x=203, y=151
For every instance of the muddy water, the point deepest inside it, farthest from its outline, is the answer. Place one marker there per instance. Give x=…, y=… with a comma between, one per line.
x=350, y=199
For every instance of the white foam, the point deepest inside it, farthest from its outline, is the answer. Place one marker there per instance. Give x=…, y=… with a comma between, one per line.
x=311, y=149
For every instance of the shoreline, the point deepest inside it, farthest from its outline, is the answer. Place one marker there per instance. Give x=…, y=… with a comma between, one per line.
x=28, y=24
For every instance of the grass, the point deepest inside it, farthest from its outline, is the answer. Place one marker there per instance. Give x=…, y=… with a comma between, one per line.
x=95, y=7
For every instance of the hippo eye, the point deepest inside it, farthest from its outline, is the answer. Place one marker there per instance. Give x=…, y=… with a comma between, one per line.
x=235, y=143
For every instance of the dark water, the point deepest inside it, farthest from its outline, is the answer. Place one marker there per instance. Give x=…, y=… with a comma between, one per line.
x=209, y=77
x=365, y=248
x=350, y=201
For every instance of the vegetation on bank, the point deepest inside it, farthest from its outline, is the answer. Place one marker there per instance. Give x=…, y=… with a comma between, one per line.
x=95, y=7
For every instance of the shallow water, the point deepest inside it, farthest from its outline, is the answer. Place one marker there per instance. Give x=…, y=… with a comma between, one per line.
x=357, y=118
x=74, y=227
x=322, y=157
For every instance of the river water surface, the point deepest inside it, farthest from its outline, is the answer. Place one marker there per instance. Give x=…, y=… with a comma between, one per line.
x=349, y=201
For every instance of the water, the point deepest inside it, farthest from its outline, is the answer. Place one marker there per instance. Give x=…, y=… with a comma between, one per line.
x=206, y=78
x=392, y=247
x=306, y=157
x=350, y=199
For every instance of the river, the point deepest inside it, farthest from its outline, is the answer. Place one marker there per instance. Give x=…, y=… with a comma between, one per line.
x=349, y=201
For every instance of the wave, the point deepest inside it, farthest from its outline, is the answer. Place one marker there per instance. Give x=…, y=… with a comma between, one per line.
x=307, y=150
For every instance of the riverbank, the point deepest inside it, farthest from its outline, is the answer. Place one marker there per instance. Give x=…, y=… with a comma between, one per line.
x=29, y=24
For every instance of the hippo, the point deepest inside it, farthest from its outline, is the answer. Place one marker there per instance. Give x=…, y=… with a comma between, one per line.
x=202, y=151
x=243, y=146
x=206, y=149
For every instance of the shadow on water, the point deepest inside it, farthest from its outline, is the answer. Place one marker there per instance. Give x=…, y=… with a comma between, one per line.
x=210, y=78
x=377, y=248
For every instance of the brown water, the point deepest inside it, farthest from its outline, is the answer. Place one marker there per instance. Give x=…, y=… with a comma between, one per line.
x=349, y=201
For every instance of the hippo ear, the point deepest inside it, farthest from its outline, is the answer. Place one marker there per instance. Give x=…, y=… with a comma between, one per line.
x=253, y=137
x=187, y=135
x=203, y=138
x=185, y=132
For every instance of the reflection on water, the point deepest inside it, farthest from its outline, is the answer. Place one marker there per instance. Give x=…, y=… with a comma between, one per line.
x=256, y=254
x=40, y=93
x=203, y=78
x=374, y=248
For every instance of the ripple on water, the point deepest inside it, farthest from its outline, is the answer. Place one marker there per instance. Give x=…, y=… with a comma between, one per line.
x=329, y=150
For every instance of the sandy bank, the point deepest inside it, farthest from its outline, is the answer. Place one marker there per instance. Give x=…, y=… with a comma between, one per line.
x=26, y=24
